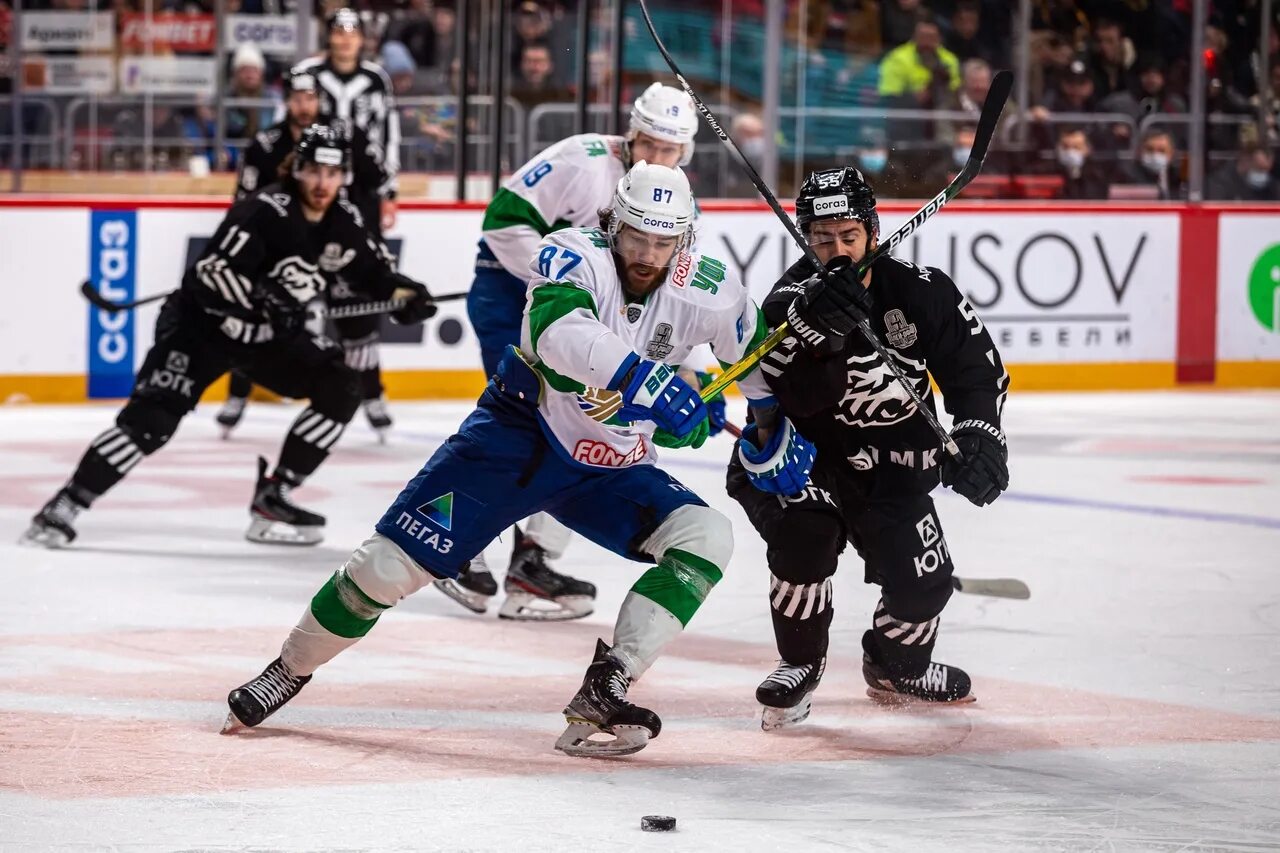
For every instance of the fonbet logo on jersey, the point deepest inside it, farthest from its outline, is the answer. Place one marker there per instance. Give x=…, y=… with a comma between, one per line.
x=601, y=453
x=683, y=266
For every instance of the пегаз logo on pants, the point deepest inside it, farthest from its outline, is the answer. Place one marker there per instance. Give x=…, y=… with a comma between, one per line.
x=1264, y=288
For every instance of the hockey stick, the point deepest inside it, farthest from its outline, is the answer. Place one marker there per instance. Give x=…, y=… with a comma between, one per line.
x=991, y=108
x=991, y=587
x=383, y=307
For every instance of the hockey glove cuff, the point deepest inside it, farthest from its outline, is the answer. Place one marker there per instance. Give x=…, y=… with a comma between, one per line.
x=288, y=316
x=984, y=472
x=783, y=465
x=694, y=439
x=654, y=391
x=419, y=306
x=830, y=307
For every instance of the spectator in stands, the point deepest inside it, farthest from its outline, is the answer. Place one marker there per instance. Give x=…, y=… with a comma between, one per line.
x=1075, y=93
x=966, y=37
x=396, y=60
x=248, y=67
x=1157, y=165
x=898, y=21
x=535, y=85
x=748, y=131
x=1249, y=178
x=941, y=170
x=1112, y=57
x=1151, y=96
x=1082, y=178
x=921, y=73
x=532, y=24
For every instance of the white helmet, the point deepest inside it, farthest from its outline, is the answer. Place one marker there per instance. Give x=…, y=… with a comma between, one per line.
x=666, y=113
x=654, y=199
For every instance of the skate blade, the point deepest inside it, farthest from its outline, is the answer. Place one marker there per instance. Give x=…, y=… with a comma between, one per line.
x=225, y=432
x=231, y=725
x=268, y=532
x=774, y=719
x=473, y=601
x=524, y=607
x=37, y=537
x=577, y=740
x=894, y=699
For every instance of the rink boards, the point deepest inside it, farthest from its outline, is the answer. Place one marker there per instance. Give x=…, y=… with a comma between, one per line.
x=1076, y=297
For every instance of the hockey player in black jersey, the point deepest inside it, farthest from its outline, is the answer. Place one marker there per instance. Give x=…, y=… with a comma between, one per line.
x=241, y=306
x=355, y=95
x=877, y=459
x=261, y=165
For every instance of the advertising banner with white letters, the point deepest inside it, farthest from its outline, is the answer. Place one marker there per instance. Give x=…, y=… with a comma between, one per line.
x=168, y=75
x=64, y=75
x=274, y=35
x=45, y=31
x=1249, y=291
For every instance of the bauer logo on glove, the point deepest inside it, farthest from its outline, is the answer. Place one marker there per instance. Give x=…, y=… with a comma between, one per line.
x=782, y=466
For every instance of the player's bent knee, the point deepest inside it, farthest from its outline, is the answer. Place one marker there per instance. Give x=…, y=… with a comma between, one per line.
x=694, y=529
x=338, y=395
x=917, y=602
x=383, y=572
x=148, y=423
x=804, y=547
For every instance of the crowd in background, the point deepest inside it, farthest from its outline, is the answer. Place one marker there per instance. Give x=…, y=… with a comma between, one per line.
x=1099, y=71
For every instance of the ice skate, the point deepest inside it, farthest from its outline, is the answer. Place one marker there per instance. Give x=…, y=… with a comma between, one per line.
x=939, y=684
x=787, y=693
x=259, y=698
x=230, y=414
x=277, y=520
x=375, y=411
x=536, y=592
x=51, y=526
x=473, y=587
x=600, y=707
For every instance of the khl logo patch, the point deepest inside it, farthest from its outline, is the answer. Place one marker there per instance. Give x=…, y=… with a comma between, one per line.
x=900, y=333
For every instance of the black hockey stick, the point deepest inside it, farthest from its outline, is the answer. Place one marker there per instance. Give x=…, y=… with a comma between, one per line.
x=991, y=587
x=382, y=307
x=997, y=95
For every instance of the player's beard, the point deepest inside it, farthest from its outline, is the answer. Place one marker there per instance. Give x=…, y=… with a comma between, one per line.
x=316, y=199
x=640, y=280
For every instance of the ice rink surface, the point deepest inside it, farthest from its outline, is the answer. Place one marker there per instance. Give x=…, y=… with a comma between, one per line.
x=1133, y=703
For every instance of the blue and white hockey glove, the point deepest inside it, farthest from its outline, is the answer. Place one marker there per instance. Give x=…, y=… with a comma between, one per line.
x=654, y=392
x=717, y=414
x=782, y=466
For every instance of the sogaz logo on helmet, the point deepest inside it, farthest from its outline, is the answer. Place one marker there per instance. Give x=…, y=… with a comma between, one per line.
x=828, y=204
x=659, y=223
x=1264, y=288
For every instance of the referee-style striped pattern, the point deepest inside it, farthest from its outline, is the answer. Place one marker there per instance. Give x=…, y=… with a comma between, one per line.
x=314, y=428
x=906, y=633
x=363, y=357
x=233, y=287
x=799, y=601
x=118, y=449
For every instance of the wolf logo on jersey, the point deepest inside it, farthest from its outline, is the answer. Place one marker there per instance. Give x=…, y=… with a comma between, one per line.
x=873, y=398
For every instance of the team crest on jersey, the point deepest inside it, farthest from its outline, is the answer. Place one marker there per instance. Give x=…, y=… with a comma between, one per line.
x=873, y=397
x=599, y=404
x=634, y=310
x=303, y=280
x=900, y=333
x=333, y=258
x=660, y=346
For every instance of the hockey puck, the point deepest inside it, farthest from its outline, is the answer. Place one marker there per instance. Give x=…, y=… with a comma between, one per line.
x=657, y=823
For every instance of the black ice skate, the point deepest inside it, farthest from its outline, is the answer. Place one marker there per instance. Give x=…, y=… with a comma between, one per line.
x=277, y=520
x=940, y=683
x=473, y=587
x=536, y=592
x=601, y=707
x=230, y=414
x=379, y=418
x=787, y=693
x=259, y=698
x=51, y=526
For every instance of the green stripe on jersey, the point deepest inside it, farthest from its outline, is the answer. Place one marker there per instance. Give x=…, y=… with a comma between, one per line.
x=679, y=583
x=508, y=209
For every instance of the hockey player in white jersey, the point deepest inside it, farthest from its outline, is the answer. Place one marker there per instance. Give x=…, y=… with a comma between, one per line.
x=565, y=185
x=568, y=425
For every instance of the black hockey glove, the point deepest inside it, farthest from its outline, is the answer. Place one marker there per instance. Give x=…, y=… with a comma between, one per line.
x=419, y=308
x=984, y=473
x=830, y=306
x=288, y=316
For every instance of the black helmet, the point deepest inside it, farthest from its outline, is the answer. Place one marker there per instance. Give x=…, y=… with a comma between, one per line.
x=345, y=19
x=837, y=194
x=299, y=81
x=323, y=145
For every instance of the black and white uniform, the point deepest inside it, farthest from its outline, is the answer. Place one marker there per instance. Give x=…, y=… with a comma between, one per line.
x=362, y=102
x=877, y=460
x=241, y=306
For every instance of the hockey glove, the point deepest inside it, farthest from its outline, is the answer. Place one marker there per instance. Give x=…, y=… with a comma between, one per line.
x=984, y=473
x=652, y=391
x=717, y=414
x=782, y=466
x=695, y=439
x=830, y=307
x=419, y=306
x=288, y=316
